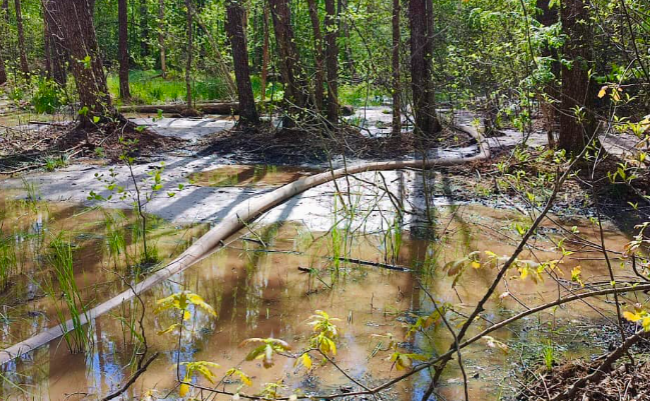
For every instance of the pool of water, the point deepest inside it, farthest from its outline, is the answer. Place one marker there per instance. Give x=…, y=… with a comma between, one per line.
x=269, y=284
x=260, y=175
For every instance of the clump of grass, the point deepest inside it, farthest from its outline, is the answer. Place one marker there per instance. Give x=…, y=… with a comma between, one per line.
x=393, y=239
x=33, y=194
x=8, y=262
x=53, y=163
x=115, y=238
x=68, y=297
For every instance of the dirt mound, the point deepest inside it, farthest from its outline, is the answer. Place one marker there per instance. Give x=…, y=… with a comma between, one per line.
x=295, y=145
x=22, y=150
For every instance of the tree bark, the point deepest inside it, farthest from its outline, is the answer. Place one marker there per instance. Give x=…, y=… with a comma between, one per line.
x=397, y=85
x=56, y=55
x=290, y=67
x=123, y=45
x=546, y=18
x=421, y=20
x=236, y=30
x=332, y=61
x=265, y=53
x=188, y=65
x=75, y=20
x=24, y=65
x=161, y=37
x=577, y=92
x=3, y=68
x=319, y=76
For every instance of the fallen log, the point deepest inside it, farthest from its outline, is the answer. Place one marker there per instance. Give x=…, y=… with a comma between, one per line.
x=233, y=222
x=228, y=108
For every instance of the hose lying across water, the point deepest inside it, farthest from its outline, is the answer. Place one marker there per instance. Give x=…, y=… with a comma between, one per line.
x=232, y=223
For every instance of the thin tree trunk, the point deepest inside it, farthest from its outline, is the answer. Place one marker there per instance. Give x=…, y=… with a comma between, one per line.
x=75, y=20
x=56, y=54
x=319, y=79
x=345, y=30
x=546, y=18
x=397, y=86
x=161, y=37
x=188, y=65
x=3, y=68
x=144, y=23
x=421, y=18
x=577, y=91
x=24, y=65
x=290, y=67
x=236, y=29
x=223, y=67
x=123, y=45
x=332, y=60
x=265, y=53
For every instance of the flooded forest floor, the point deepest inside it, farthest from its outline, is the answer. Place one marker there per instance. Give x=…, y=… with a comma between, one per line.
x=381, y=251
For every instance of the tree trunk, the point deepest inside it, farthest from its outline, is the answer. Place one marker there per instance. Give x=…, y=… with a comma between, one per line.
x=290, y=67
x=397, y=86
x=161, y=37
x=332, y=61
x=546, y=18
x=24, y=65
x=319, y=76
x=236, y=30
x=345, y=30
x=421, y=19
x=223, y=67
x=3, y=68
x=188, y=65
x=577, y=91
x=144, y=24
x=75, y=20
x=56, y=54
x=123, y=45
x=265, y=53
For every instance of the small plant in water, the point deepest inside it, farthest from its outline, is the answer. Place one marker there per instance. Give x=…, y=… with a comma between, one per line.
x=143, y=191
x=67, y=297
x=8, y=261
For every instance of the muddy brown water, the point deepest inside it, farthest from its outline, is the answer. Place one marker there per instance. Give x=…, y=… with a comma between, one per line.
x=258, y=293
x=250, y=175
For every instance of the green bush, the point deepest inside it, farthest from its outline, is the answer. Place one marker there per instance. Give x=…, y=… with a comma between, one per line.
x=48, y=96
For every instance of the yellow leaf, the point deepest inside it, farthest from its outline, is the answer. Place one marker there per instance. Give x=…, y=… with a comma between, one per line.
x=476, y=264
x=603, y=92
x=183, y=390
x=632, y=317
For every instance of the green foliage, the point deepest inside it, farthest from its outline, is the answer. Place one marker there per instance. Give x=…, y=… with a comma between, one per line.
x=150, y=88
x=48, y=96
x=265, y=351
